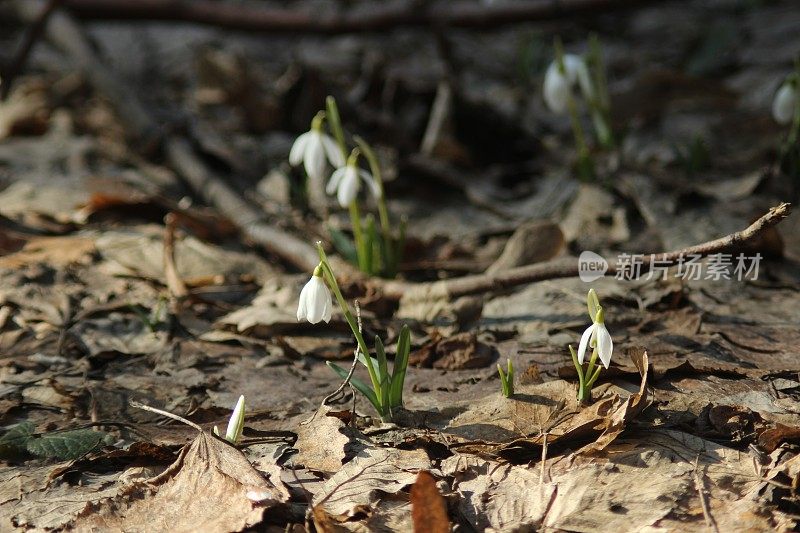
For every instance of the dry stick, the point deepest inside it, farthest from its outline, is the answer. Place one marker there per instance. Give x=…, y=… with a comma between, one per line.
x=567, y=268
x=376, y=16
x=346, y=381
x=31, y=36
x=698, y=480
x=213, y=190
x=165, y=413
x=175, y=285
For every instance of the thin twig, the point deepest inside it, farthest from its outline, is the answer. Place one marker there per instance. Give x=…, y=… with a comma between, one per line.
x=32, y=35
x=698, y=480
x=346, y=381
x=372, y=17
x=544, y=457
x=175, y=285
x=165, y=413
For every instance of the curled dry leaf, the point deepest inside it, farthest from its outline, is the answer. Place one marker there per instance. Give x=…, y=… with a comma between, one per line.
x=210, y=487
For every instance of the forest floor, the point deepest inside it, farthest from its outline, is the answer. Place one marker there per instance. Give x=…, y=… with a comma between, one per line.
x=139, y=158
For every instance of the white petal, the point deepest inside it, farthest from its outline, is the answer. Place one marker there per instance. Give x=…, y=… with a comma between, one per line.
x=236, y=422
x=336, y=177
x=316, y=301
x=585, y=342
x=298, y=149
x=785, y=101
x=314, y=157
x=556, y=88
x=333, y=151
x=302, y=305
x=326, y=314
x=348, y=187
x=372, y=183
x=604, y=345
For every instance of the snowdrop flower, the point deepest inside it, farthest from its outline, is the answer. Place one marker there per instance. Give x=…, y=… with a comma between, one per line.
x=598, y=335
x=236, y=423
x=315, y=300
x=558, y=84
x=346, y=181
x=313, y=148
x=786, y=100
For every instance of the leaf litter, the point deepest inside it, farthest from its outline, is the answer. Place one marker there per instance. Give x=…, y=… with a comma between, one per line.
x=694, y=426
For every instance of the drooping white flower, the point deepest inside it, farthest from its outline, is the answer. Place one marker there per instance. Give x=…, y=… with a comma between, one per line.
x=597, y=335
x=315, y=300
x=313, y=148
x=558, y=84
x=236, y=422
x=345, y=183
x=786, y=100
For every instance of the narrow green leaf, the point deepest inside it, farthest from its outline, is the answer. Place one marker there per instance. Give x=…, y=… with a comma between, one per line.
x=362, y=387
x=383, y=371
x=400, y=365
x=66, y=444
x=14, y=442
x=370, y=245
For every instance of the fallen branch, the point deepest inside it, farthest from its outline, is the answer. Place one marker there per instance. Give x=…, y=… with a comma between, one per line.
x=568, y=268
x=213, y=190
x=371, y=17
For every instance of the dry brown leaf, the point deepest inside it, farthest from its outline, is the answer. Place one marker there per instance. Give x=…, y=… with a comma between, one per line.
x=428, y=509
x=210, y=487
x=371, y=477
x=324, y=442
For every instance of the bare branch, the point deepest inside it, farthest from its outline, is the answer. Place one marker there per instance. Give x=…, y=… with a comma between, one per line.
x=372, y=17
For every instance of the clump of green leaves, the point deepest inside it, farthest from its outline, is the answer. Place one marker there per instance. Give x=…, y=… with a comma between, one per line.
x=507, y=379
x=385, y=391
x=22, y=440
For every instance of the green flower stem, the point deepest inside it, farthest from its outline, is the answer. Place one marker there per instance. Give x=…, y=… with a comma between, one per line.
x=358, y=235
x=592, y=360
x=336, y=124
x=579, y=368
x=600, y=102
x=351, y=320
x=584, y=158
x=390, y=257
x=375, y=168
x=590, y=383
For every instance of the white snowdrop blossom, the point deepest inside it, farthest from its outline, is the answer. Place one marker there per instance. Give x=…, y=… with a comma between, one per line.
x=313, y=148
x=346, y=182
x=236, y=422
x=784, y=105
x=557, y=84
x=315, y=300
x=597, y=335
